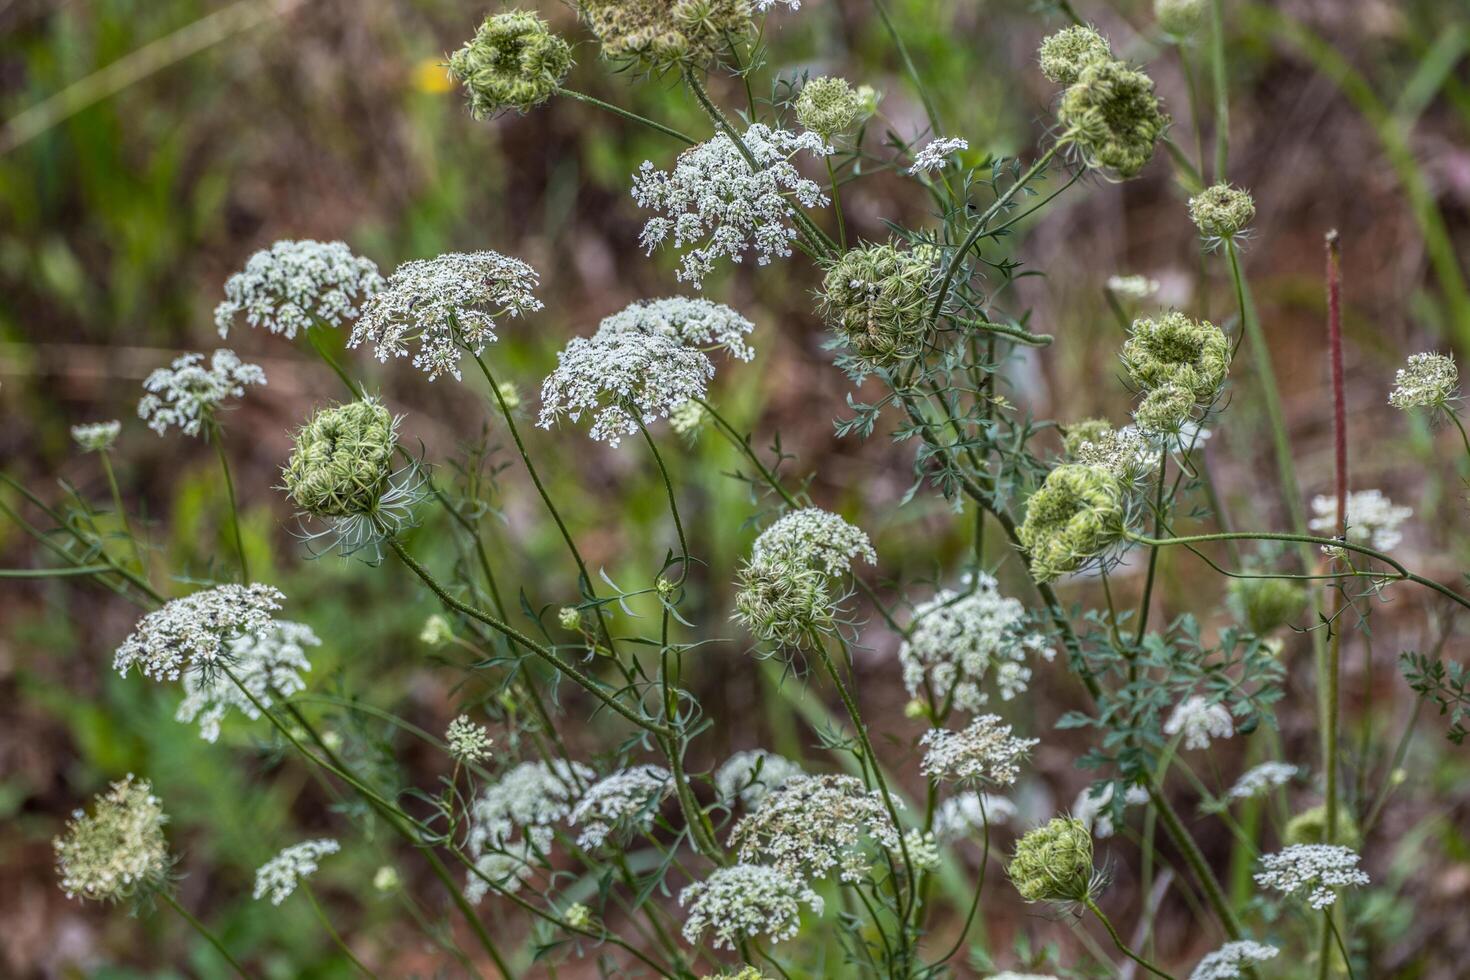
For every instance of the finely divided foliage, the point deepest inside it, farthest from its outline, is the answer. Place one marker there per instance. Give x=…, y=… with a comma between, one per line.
x=587, y=796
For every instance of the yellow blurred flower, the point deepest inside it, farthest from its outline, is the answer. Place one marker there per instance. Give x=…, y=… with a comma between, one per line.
x=432, y=76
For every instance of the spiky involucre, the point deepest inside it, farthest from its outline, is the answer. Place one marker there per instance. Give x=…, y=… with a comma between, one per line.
x=118, y=850
x=1221, y=211
x=512, y=62
x=342, y=460
x=878, y=298
x=662, y=34
x=1075, y=516
x=1053, y=863
x=782, y=604
x=1175, y=349
x=1113, y=116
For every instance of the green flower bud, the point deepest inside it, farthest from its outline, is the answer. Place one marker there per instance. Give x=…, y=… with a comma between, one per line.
x=1074, y=517
x=1165, y=410
x=662, y=34
x=827, y=106
x=578, y=916
x=1263, y=604
x=386, y=879
x=1054, y=863
x=1175, y=350
x=1310, y=827
x=512, y=62
x=1113, y=117
x=569, y=618
x=1178, y=19
x=1221, y=211
x=1064, y=54
x=437, y=631
x=878, y=298
x=782, y=603
x=868, y=98
x=343, y=460
x=1088, y=430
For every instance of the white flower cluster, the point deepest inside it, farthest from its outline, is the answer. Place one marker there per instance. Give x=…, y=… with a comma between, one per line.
x=1200, y=721
x=1315, y=870
x=194, y=632
x=116, y=850
x=1127, y=453
x=622, y=379
x=626, y=799
x=294, y=285
x=1133, y=287
x=984, y=752
x=279, y=876
x=692, y=322
x=528, y=800
x=717, y=205
x=1095, y=811
x=1229, y=960
x=936, y=153
x=447, y=305
x=764, y=5
x=745, y=901
x=1427, y=381
x=267, y=664
x=812, y=824
x=966, y=815
x=1373, y=520
x=467, y=741
x=815, y=538
x=94, y=437
x=959, y=638
x=185, y=394
x=752, y=775
x=1266, y=776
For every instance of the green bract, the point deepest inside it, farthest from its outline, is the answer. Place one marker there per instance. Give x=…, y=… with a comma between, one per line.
x=1064, y=54
x=512, y=62
x=1176, y=350
x=1179, y=18
x=878, y=298
x=1054, y=863
x=343, y=460
x=1221, y=211
x=663, y=34
x=1074, y=517
x=827, y=106
x=1113, y=116
x=1263, y=604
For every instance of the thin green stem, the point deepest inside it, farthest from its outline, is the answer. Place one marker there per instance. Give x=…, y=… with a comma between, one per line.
x=200, y=928
x=837, y=204
x=1122, y=946
x=1222, y=93
x=117, y=504
x=321, y=915
x=629, y=115
x=663, y=471
x=216, y=437
x=908, y=63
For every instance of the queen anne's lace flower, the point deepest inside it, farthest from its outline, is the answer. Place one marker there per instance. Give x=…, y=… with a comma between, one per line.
x=814, y=538
x=966, y=815
x=1200, y=721
x=985, y=752
x=1372, y=518
x=1133, y=287
x=621, y=379
x=1313, y=871
x=663, y=34
x=752, y=775
x=268, y=665
x=293, y=286
x=527, y=801
x=1112, y=116
x=1176, y=350
x=1427, y=381
x=186, y=394
x=467, y=741
x=1053, y=863
x=194, y=633
x=878, y=298
x=447, y=305
x=279, y=876
x=1095, y=811
x=1266, y=776
x=827, y=106
x=1064, y=54
x=782, y=603
x=1229, y=960
x=1221, y=212
x=714, y=203
x=94, y=437
x=960, y=639
x=745, y=901
x=812, y=824
x=936, y=153
x=695, y=323
x=1126, y=453
x=118, y=850
x=1179, y=19
x=626, y=799
x=1074, y=518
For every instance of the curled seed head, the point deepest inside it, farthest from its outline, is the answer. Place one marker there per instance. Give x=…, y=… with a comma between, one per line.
x=1113, y=116
x=1179, y=19
x=827, y=106
x=1053, y=863
x=343, y=460
x=512, y=62
x=1174, y=349
x=1310, y=827
x=782, y=603
x=1222, y=211
x=1264, y=604
x=1075, y=516
x=877, y=298
x=663, y=34
x=1064, y=54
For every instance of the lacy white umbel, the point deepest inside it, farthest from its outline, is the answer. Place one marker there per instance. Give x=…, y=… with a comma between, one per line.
x=1372, y=518
x=279, y=876
x=1199, y=721
x=753, y=774
x=936, y=153
x=267, y=665
x=714, y=205
x=985, y=752
x=1313, y=871
x=814, y=538
x=292, y=286
x=446, y=306
x=696, y=323
x=626, y=799
x=745, y=901
x=511, y=820
x=1266, y=776
x=184, y=395
x=193, y=633
x=1229, y=960
x=813, y=824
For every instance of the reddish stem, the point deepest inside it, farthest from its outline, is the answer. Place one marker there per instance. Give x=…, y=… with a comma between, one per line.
x=1339, y=403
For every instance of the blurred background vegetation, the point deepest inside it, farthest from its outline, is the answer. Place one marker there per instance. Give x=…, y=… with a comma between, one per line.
x=149, y=146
